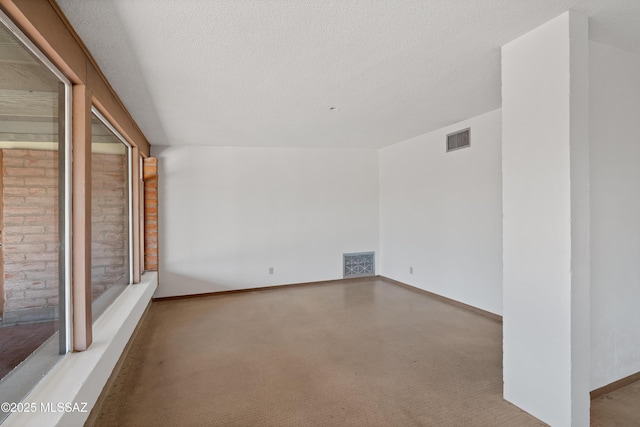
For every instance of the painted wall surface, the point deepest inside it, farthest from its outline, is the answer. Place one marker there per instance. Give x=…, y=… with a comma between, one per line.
x=441, y=213
x=545, y=186
x=615, y=213
x=229, y=214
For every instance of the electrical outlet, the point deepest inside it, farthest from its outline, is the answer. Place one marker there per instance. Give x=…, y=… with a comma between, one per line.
x=410, y=270
x=270, y=270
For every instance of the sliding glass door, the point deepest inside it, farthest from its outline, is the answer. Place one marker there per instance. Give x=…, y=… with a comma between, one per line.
x=34, y=222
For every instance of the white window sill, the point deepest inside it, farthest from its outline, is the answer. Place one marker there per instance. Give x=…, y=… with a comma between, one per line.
x=80, y=377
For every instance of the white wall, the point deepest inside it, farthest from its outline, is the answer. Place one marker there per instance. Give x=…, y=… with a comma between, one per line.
x=228, y=214
x=441, y=213
x=615, y=213
x=546, y=221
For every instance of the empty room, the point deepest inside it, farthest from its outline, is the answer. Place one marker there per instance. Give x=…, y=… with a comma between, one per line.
x=319, y=213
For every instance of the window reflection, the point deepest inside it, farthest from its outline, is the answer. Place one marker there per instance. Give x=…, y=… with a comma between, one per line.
x=110, y=252
x=32, y=122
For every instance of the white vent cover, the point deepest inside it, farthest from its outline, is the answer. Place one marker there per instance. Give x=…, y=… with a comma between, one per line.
x=359, y=264
x=460, y=139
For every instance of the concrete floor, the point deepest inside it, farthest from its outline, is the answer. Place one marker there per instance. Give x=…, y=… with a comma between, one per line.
x=349, y=354
x=620, y=408
x=359, y=353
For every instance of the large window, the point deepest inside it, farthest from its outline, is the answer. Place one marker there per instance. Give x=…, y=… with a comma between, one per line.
x=55, y=190
x=111, y=235
x=34, y=225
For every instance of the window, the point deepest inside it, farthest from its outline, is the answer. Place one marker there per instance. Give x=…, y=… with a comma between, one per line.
x=39, y=267
x=111, y=227
x=34, y=223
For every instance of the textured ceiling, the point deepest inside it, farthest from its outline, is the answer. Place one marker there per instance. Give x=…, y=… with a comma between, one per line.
x=268, y=72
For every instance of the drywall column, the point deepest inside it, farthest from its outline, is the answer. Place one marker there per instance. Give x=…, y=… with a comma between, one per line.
x=545, y=164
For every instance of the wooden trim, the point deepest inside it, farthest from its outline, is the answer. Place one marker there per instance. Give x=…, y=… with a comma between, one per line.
x=485, y=313
x=135, y=213
x=81, y=220
x=266, y=288
x=111, y=111
x=45, y=24
x=615, y=385
x=134, y=132
x=95, y=411
x=44, y=27
x=141, y=227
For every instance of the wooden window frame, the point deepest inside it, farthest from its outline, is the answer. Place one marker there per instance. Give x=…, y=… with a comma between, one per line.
x=46, y=26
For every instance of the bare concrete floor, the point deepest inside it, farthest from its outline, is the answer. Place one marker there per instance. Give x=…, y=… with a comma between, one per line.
x=362, y=353
x=620, y=408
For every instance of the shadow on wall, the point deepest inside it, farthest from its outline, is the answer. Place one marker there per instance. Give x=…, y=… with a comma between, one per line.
x=187, y=285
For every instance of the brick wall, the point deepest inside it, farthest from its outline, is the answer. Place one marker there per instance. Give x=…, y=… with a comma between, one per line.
x=30, y=234
x=30, y=230
x=109, y=222
x=151, y=214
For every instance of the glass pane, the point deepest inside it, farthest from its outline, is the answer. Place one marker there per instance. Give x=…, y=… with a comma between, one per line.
x=109, y=216
x=31, y=136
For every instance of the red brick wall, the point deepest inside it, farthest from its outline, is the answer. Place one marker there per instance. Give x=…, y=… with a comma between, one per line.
x=30, y=233
x=109, y=222
x=151, y=214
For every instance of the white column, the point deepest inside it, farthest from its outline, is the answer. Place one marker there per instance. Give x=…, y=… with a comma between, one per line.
x=545, y=165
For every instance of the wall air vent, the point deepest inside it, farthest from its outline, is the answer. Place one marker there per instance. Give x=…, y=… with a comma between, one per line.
x=457, y=140
x=359, y=264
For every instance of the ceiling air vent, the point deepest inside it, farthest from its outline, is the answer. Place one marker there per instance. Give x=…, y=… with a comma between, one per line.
x=460, y=139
